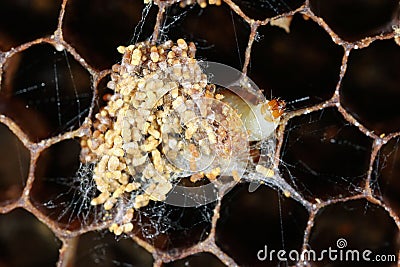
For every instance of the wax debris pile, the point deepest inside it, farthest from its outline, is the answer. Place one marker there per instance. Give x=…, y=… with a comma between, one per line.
x=164, y=122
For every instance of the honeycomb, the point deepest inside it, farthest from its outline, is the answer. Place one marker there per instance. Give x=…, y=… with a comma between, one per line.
x=336, y=64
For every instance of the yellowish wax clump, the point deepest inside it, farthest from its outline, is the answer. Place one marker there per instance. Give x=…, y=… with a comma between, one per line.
x=163, y=122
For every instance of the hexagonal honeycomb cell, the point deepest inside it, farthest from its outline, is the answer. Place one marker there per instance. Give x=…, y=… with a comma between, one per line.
x=39, y=244
x=14, y=168
x=67, y=185
x=24, y=22
x=372, y=80
x=354, y=20
x=321, y=77
x=361, y=224
x=47, y=91
x=310, y=76
x=345, y=146
x=250, y=212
